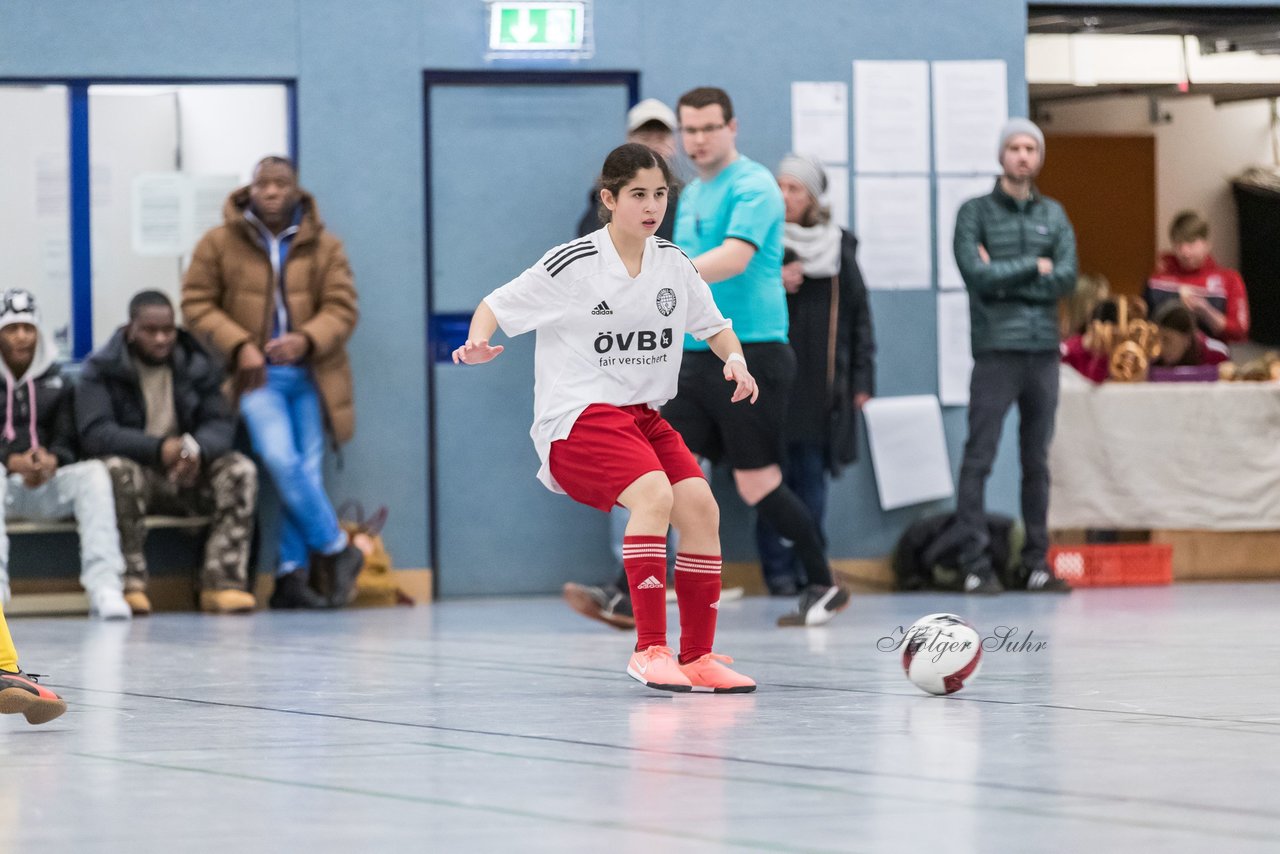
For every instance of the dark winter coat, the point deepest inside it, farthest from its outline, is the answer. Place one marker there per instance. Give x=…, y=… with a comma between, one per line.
x=821, y=408
x=41, y=388
x=55, y=422
x=111, y=413
x=1012, y=306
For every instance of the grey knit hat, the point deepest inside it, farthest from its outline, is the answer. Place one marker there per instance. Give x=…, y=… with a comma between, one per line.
x=807, y=171
x=1016, y=127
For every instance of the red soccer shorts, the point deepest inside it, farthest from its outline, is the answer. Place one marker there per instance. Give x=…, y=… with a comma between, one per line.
x=610, y=447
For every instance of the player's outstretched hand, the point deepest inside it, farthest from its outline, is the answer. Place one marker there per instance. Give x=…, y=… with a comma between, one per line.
x=476, y=352
x=736, y=372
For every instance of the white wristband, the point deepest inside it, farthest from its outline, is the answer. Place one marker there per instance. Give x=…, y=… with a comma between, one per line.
x=736, y=357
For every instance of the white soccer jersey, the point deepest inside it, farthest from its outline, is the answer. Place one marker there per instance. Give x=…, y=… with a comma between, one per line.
x=603, y=337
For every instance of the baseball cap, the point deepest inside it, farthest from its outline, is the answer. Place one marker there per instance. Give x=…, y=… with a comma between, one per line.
x=650, y=110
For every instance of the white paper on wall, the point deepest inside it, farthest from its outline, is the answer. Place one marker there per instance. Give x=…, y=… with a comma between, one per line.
x=159, y=200
x=908, y=450
x=955, y=356
x=52, y=198
x=891, y=117
x=952, y=193
x=208, y=195
x=820, y=120
x=970, y=105
x=893, y=228
x=169, y=211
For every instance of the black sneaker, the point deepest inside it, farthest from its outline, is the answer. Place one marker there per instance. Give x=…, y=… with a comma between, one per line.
x=346, y=566
x=1042, y=580
x=21, y=694
x=609, y=605
x=817, y=605
x=982, y=582
x=294, y=591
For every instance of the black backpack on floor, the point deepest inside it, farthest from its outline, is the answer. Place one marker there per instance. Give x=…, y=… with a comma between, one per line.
x=927, y=554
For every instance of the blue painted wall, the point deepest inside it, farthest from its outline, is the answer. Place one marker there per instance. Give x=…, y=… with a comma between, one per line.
x=359, y=85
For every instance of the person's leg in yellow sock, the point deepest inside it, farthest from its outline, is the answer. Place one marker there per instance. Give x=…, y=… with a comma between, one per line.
x=19, y=693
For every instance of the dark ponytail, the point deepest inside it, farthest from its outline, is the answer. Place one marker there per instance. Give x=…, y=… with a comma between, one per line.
x=622, y=165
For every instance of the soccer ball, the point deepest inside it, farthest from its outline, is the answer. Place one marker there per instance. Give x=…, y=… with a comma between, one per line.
x=941, y=653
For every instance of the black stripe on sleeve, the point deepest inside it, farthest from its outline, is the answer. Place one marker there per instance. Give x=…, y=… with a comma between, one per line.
x=585, y=252
x=663, y=244
x=554, y=259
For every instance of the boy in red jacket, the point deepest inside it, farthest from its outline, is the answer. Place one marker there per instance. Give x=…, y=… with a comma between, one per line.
x=1214, y=294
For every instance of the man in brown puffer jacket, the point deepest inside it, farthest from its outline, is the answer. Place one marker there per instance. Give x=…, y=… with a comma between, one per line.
x=272, y=292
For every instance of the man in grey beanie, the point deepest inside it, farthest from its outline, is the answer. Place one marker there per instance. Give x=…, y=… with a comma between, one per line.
x=1016, y=251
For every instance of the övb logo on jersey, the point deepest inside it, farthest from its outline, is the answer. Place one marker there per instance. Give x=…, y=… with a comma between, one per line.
x=644, y=339
x=666, y=301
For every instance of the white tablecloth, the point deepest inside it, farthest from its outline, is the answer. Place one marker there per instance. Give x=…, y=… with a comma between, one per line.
x=1166, y=455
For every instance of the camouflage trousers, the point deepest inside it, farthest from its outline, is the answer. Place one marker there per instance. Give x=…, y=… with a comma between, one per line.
x=226, y=490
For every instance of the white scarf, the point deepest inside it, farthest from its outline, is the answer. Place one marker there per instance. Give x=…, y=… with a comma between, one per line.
x=817, y=246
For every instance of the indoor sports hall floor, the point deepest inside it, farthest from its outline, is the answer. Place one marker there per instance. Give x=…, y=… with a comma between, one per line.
x=1151, y=721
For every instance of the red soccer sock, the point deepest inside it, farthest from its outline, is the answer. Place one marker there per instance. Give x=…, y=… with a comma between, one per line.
x=698, y=593
x=645, y=560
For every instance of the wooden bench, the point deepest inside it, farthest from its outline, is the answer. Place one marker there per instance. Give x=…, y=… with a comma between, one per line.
x=59, y=595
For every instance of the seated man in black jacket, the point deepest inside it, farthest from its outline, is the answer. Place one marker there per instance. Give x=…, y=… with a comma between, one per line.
x=42, y=477
x=150, y=401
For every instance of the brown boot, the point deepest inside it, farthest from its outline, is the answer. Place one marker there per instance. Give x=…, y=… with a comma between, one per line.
x=226, y=602
x=138, y=603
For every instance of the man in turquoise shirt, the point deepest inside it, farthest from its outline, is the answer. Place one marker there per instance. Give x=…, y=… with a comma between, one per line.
x=730, y=223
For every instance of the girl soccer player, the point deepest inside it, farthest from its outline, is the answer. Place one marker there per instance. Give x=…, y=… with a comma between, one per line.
x=19, y=692
x=611, y=310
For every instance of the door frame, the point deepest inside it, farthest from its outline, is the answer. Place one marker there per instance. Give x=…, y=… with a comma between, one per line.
x=480, y=78
x=78, y=170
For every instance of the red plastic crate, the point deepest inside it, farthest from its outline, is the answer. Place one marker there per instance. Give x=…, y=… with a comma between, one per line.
x=1113, y=565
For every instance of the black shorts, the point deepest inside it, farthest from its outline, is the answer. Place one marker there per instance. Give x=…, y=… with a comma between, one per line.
x=745, y=435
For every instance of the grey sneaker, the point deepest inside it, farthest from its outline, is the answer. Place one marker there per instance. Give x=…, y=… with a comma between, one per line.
x=817, y=605
x=983, y=583
x=609, y=605
x=1041, y=580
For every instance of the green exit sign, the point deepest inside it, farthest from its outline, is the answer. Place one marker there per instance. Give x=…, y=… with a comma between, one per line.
x=537, y=27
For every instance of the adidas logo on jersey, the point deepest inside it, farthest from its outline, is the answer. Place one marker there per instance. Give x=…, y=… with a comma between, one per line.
x=602, y=308
x=649, y=583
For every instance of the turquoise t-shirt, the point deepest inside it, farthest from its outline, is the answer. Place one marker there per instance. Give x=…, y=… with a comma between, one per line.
x=743, y=201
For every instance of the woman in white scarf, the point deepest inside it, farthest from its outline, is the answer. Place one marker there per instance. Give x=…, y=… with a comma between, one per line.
x=835, y=354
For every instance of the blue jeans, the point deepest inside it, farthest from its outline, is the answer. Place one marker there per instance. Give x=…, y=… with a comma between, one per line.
x=286, y=425
x=804, y=471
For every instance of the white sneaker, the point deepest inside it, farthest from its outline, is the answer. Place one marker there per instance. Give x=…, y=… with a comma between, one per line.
x=108, y=604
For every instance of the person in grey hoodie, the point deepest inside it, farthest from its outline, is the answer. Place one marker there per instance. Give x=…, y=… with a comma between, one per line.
x=42, y=479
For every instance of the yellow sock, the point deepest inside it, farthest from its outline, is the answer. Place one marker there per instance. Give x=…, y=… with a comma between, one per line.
x=8, y=652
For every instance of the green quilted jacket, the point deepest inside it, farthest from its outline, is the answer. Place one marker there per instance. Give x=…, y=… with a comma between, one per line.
x=1011, y=306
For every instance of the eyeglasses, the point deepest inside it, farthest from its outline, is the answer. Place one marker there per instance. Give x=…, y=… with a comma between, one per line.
x=17, y=301
x=705, y=130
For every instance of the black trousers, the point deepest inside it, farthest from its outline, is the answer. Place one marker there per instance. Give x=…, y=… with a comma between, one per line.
x=1001, y=379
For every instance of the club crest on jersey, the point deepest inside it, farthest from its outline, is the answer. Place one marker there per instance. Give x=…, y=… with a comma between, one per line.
x=666, y=301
